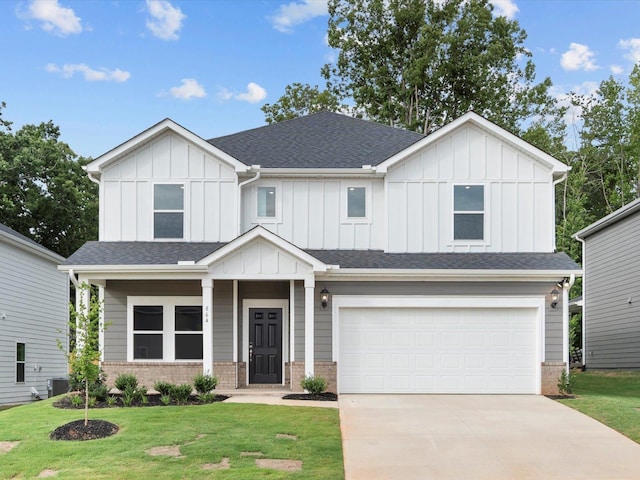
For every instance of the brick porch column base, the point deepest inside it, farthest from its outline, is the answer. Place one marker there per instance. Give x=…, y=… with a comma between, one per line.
x=550, y=374
x=327, y=370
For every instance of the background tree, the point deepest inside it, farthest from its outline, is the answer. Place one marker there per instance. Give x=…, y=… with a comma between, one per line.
x=299, y=100
x=44, y=192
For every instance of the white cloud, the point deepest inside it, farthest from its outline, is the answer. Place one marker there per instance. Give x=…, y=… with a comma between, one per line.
x=189, y=89
x=578, y=57
x=53, y=17
x=633, y=47
x=224, y=94
x=295, y=13
x=505, y=8
x=166, y=20
x=90, y=74
x=616, y=69
x=254, y=93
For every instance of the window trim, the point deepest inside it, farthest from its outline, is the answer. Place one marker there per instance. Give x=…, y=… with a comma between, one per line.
x=168, y=324
x=368, y=200
x=484, y=212
x=183, y=211
x=278, y=203
x=21, y=362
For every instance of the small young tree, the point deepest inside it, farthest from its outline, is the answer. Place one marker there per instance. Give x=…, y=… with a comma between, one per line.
x=84, y=357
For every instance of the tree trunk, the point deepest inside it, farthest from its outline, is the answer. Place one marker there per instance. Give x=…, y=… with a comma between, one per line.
x=86, y=402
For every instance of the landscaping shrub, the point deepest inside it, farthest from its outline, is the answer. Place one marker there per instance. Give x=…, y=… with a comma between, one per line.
x=125, y=380
x=205, y=383
x=565, y=383
x=181, y=393
x=314, y=385
x=162, y=387
x=98, y=392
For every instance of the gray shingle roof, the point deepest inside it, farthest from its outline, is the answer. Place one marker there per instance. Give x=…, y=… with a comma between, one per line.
x=169, y=253
x=13, y=233
x=319, y=140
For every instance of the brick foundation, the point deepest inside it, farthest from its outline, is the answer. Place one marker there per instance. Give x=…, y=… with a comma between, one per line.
x=148, y=373
x=550, y=374
x=327, y=370
x=225, y=372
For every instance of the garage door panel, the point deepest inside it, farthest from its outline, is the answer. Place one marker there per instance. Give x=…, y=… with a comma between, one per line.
x=429, y=350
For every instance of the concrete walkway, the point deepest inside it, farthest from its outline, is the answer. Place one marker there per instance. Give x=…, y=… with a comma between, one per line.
x=270, y=397
x=478, y=437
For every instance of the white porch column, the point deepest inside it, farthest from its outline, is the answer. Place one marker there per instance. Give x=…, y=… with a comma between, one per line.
x=207, y=326
x=309, y=350
x=292, y=323
x=565, y=324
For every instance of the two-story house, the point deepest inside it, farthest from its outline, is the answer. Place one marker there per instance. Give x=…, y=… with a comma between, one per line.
x=380, y=259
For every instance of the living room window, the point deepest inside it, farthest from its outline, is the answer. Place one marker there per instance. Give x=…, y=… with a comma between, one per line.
x=164, y=328
x=168, y=210
x=468, y=212
x=21, y=355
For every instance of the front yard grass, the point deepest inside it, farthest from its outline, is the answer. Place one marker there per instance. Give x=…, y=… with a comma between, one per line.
x=612, y=398
x=206, y=434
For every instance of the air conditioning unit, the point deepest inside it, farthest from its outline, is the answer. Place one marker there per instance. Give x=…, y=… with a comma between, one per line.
x=57, y=386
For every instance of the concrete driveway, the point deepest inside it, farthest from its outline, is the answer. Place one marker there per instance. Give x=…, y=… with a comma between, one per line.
x=478, y=437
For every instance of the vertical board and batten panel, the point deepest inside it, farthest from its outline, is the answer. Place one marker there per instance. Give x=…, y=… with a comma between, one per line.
x=519, y=196
x=313, y=213
x=612, y=322
x=210, y=192
x=34, y=303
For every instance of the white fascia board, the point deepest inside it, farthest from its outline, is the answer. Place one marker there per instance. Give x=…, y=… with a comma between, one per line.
x=270, y=237
x=126, y=269
x=610, y=219
x=556, y=166
x=378, y=274
x=156, y=130
x=35, y=249
x=319, y=172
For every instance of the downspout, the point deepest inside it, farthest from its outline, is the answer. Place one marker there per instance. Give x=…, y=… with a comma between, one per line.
x=553, y=212
x=246, y=182
x=584, y=301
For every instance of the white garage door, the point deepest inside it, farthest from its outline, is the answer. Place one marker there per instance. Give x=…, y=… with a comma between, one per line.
x=437, y=350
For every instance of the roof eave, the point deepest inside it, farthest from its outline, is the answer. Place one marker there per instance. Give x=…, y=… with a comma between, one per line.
x=31, y=247
x=604, y=222
x=452, y=275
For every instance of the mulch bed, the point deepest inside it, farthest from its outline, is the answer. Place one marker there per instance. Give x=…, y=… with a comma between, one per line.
x=152, y=401
x=560, y=397
x=77, y=430
x=322, y=397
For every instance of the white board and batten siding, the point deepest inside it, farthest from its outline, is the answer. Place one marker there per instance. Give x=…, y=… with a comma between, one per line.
x=210, y=202
x=519, y=196
x=34, y=311
x=313, y=213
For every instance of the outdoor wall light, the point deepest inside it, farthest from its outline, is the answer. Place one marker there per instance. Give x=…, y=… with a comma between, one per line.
x=324, y=297
x=555, y=295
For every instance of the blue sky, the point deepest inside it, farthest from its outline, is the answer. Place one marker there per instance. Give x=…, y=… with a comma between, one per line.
x=106, y=70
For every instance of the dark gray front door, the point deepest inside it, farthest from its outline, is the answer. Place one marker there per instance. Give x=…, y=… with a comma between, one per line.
x=265, y=345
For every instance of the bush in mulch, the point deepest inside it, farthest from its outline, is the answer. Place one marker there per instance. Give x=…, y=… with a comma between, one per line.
x=77, y=430
x=323, y=397
x=152, y=400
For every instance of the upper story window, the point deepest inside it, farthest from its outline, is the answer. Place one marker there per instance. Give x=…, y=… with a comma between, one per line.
x=168, y=210
x=266, y=202
x=468, y=212
x=356, y=202
x=21, y=354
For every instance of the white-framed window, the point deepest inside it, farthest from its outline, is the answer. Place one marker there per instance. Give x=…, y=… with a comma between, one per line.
x=168, y=211
x=164, y=328
x=356, y=202
x=267, y=202
x=468, y=212
x=21, y=356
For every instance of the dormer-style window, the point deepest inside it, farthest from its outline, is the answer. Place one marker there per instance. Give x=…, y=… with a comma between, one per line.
x=356, y=202
x=168, y=210
x=266, y=202
x=468, y=212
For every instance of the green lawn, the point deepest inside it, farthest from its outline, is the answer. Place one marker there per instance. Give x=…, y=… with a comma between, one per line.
x=206, y=434
x=612, y=398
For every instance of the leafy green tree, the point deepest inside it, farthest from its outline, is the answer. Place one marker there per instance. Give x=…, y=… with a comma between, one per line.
x=84, y=357
x=299, y=100
x=44, y=192
x=420, y=64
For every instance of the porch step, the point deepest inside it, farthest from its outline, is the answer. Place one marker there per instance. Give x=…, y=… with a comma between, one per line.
x=262, y=390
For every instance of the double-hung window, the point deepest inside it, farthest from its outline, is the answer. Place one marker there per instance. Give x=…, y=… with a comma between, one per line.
x=468, y=212
x=165, y=328
x=168, y=210
x=21, y=355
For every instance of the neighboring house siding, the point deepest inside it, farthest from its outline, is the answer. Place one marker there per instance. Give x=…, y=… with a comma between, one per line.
x=519, y=197
x=34, y=299
x=312, y=213
x=611, y=273
x=126, y=196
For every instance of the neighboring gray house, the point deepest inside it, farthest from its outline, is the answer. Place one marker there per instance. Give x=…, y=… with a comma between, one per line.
x=611, y=289
x=381, y=259
x=34, y=310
